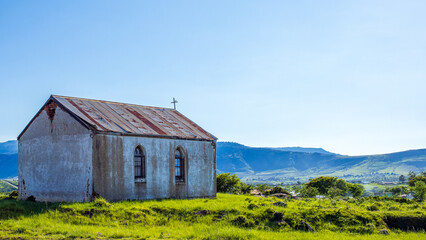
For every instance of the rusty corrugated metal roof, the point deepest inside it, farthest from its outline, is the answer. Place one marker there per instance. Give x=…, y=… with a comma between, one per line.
x=105, y=116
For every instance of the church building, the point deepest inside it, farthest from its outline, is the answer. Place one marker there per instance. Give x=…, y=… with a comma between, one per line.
x=75, y=150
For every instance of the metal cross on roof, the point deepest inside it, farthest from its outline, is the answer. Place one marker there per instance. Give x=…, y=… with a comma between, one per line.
x=174, y=103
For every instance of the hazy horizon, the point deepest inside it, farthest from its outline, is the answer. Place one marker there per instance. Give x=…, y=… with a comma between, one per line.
x=295, y=147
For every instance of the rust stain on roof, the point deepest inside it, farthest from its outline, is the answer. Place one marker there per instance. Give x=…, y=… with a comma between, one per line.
x=124, y=118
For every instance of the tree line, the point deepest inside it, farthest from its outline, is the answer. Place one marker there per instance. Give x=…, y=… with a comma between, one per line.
x=326, y=186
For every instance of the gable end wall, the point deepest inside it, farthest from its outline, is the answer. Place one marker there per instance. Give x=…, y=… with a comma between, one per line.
x=55, y=158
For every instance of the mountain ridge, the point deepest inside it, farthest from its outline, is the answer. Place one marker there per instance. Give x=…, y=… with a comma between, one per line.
x=281, y=164
x=9, y=147
x=272, y=163
x=304, y=149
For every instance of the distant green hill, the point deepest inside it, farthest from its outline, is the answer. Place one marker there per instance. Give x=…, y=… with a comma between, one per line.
x=9, y=147
x=9, y=165
x=301, y=164
x=9, y=159
x=302, y=149
x=284, y=164
x=7, y=186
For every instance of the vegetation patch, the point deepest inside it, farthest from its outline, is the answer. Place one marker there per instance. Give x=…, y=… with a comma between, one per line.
x=406, y=223
x=226, y=217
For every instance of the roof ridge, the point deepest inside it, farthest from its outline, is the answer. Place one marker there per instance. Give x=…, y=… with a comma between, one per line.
x=112, y=102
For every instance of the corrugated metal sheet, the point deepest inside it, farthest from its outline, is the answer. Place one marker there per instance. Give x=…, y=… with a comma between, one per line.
x=124, y=118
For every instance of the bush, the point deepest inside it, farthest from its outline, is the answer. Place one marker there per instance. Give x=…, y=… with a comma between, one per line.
x=14, y=194
x=415, y=179
x=101, y=202
x=355, y=189
x=373, y=207
x=278, y=189
x=330, y=186
x=262, y=187
x=342, y=185
x=309, y=192
x=406, y=223
x=277, y=217
x=252, y=206
x=228, y=183
x=334, y=192
x=419, y=190
x=242, y=221
x=246, y=188
x=398, y=190
x=322, y=184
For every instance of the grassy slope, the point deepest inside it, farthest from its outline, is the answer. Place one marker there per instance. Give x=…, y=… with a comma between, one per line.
x=175, y=219
x=250, y=163
x=4, y=187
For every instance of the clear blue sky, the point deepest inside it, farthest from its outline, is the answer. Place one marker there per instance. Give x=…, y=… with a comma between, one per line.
x=348, y=76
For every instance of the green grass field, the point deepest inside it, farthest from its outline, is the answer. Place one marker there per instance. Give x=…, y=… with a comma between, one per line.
x=226, y=217
x=4, y=187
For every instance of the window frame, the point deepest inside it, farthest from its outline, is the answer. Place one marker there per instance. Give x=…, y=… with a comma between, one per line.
x=142, y=156
x=179, y=163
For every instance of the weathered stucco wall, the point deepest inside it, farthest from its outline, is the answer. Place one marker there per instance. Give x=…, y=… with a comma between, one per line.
x=113, y=169
x=55, y=158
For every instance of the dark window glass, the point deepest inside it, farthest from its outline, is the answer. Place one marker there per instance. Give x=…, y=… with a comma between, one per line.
x=139, y=159
x=179, y=166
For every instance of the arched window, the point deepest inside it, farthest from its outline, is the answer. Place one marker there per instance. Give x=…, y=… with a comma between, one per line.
x=139, y=159
x=179, y=166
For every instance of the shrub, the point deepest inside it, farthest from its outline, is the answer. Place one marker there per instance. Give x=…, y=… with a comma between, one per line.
x=269, y=211
x=330, y=186
x=406, y=223
x=101, y=202
x=278, y=216
x=252, y=206
x=373, y=207
x=242, y=221
x=334, y=192
x=13, y=195
x=246, y=188
x=322, y=184
x=309, y=192
x=262, y=187
x=341, y=184
x=355, y=189
x=419, y=190
x=228, y=183
x=278, y=189
x=415, y=179
x=397, y=190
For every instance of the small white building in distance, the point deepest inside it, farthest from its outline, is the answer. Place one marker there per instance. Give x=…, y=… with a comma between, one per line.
x=77, y=149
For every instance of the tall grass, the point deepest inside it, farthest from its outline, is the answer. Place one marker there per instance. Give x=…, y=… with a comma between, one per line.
x=226, y=217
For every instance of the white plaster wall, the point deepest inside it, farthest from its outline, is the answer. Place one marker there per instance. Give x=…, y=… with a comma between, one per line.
x=115, y=181
x=55, y=159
